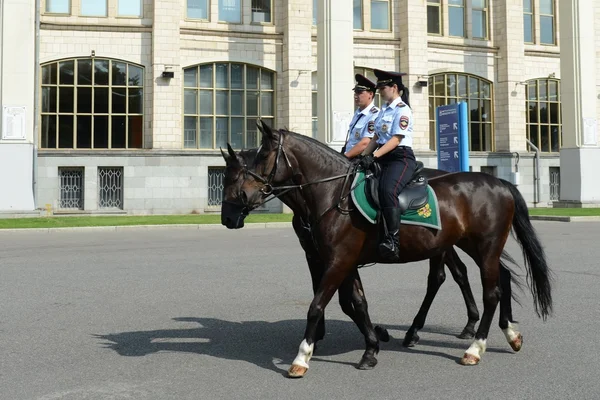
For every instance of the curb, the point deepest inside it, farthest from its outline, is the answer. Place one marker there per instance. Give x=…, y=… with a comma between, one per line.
x=255, y=225
x=564, y=219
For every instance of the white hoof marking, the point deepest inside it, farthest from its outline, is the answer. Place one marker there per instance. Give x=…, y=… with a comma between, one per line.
x=510, y=333
x=305, y=352
x=477, y=348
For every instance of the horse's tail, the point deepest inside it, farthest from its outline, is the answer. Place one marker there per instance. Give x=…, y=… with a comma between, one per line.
x=538, y=273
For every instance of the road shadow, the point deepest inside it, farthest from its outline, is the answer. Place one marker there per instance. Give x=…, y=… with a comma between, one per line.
x=269, y=345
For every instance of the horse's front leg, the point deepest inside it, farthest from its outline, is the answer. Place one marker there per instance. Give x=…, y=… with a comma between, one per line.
x=332, y=279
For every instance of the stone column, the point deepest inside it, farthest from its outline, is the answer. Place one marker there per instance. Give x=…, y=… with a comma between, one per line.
x=167, y=101
x=414, y=61
x=580, y=152
x=295, y=109
x=509, y=116
x=17, y=82
x=335, y=55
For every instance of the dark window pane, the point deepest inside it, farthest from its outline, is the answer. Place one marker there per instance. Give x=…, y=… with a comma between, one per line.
x=533, y=135
x=451, y=85
x=542, y=90
x=547, y=30
x=84, y=131
x=206, y=76
x=485, y=90
x=101, y=100
x=221, y=132
x=101, y=72
x=553, y=90
x=222, y=76
x=135, y=134
x=65, y=98
x=190, y=77
x=136, y=101
x=547, y=7
x=101, y=132
x=266, y=103
x=84, y=72
x=487, y=137
x=119, y=100
x=261, y=11
x=206, y=133
x=532, y=91
x=528, y=28
x=49, y=99
x=118, y=130
x=222, y=102
x=251, y=77
x=533, y=113
x=189, y=132
x=206, y=102
x=486, y=110
x=49, y=74
x=543, y=112
x=251, y=134
x=84, y=100
x=475, y=137
x=545, y=138
x=135, y=76
x=266, y=80
x=190, y=101
x=48, y=131
x=119, y=73
x=237, y=133
x=555, y=138
x=65, y=131
x=252, y=103
x=237, y=102
x=462, y=86
x=237, y=76
x=554, y=113
x=473, y=88
x=438, y=85
x=433, y=19
x=474, y=112
x=66, y=72
x=315, y=108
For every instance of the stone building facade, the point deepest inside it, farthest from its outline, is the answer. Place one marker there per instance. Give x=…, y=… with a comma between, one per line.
x=134, y=98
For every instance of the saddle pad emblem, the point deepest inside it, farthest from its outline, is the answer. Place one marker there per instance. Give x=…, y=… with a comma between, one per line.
x=424, y=211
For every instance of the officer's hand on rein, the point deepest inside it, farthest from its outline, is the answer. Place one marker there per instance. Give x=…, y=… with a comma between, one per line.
x=366, y=161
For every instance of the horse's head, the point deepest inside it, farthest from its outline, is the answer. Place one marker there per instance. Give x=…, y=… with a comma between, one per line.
x=250, y=175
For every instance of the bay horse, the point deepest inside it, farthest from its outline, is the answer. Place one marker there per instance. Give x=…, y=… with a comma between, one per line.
x=477, y=212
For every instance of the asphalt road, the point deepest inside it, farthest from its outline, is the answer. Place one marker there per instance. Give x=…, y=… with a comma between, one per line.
x=218, y=314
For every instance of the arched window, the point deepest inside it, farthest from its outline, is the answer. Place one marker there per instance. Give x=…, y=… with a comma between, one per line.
x=92, y=103
x=222, y=102
x=544, y=127
x=451, y=88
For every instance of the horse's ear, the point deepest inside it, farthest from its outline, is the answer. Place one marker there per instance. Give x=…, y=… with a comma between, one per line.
x=231, y=152
x=268, y=136
x=226, y=157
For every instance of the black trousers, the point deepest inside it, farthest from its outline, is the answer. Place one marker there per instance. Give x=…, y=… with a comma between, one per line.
x=397, y=167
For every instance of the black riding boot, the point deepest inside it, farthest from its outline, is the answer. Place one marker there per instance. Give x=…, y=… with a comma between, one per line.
x=388, y=248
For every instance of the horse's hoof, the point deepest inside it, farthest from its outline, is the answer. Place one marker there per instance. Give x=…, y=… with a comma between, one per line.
x=466, y=334
x=469, y=359
x=410, y=340
x=382, y=334
x=517, y=343
x=367, y=363
x=297, y=371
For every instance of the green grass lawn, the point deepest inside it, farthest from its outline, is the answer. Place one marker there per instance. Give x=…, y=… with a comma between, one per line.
x=565, y=212
x=63, y=222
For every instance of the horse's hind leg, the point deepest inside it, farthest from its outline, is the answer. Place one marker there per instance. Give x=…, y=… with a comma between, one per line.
x=436, y=277
x=513, y=337
x=354, y=304
x=490, y=271
x=459, y=272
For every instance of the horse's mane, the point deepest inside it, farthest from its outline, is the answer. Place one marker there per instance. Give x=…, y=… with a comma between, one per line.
x=322, y=148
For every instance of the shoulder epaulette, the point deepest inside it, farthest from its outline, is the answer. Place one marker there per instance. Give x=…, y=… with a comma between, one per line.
x=374, y=109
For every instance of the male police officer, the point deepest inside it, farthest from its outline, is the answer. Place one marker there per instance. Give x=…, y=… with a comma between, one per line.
x=362, y=126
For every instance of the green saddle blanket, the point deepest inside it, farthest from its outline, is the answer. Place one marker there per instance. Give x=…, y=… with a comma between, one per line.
x=428, y=215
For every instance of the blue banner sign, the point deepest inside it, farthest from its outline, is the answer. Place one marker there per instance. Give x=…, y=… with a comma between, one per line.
x=452, y=137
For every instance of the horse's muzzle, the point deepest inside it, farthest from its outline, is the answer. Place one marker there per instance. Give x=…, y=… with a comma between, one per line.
x=233, y=215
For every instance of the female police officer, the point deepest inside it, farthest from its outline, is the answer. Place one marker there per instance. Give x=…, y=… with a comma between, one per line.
x=362, y=126
x=391, y=146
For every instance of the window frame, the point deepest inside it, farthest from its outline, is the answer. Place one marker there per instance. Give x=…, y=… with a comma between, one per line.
x=93, y=87
x=128, y=16
x=389, y=15
x=531, y=14
x=486, y=19
x=464, y=24
x=68, y=13
x=271, y=15
x=198, y=115
x=241, y=13
x=457, y=97
x=539, y=124
x=437, y=4
x=361, y=14
x=553, y=16
x=208, y=9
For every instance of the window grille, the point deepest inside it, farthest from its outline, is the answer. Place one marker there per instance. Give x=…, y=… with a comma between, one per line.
x=71, y=188
x=215, y=186
x=110, y=187
x=554, y=183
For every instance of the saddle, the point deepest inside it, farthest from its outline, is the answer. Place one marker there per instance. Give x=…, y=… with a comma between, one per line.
x=412, y=197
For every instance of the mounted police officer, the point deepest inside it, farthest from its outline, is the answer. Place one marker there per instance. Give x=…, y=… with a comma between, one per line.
x=391, y=147
x=362, y=126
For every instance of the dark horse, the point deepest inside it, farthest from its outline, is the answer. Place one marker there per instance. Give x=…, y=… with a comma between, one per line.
x=477, y=212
